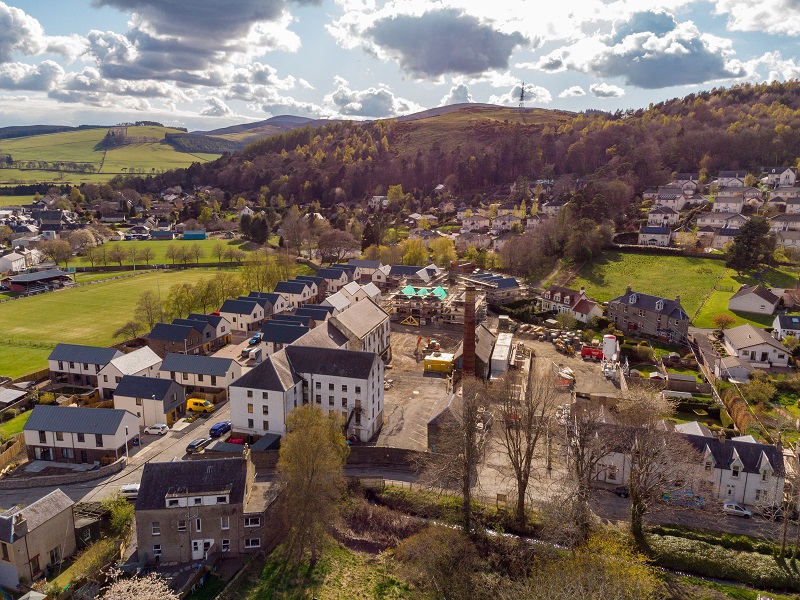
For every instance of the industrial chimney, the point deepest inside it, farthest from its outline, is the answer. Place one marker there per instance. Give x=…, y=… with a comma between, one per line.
x=468, y=357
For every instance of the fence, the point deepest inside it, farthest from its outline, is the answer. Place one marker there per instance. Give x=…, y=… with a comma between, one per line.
x=16, y=448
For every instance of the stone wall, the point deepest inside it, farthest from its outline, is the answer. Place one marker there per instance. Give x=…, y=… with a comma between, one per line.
x=22, y=483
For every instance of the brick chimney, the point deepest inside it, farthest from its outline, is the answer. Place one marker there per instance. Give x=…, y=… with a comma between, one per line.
x=468, y=356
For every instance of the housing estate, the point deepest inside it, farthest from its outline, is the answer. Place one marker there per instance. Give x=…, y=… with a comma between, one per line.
x=79, y=365
x=200, y=373
x=243, y=314
x=167, y=337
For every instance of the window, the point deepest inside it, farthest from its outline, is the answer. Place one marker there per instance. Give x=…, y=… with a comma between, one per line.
x=138, y=402
x=252, y=521
x=760, y=495
x=155, y=527
x=42, y=437
x=222, y=499
x=214, y=379
x=250, y=407
x=61, y=365
x=318, y=385
x=98, y=440
x=249, y=393
x=71, y=365
x=358, y=389
x=764, y=475
x=330, y=386
x=85, y=366
x=199, y=377
x=344, y=402
x=226, y=545
x=266, y=425
x=105, y=378
x=612, y=472
x=250, y=423
x=735, y=471
x=318, y=398
x=181, y=524
x=156, y=549
x=708, y=465
x=35, y=564
x=60, y=436
x=264, y=395
x=117, y=379
x=70, y=453
x=252, y=543
x=225, y=522
x=197, y=525
x=344, y=388
x=4, y=551
x=185, y=376
x=197, y=501
x=172, y=502
x=358, y=418
x=265, y=410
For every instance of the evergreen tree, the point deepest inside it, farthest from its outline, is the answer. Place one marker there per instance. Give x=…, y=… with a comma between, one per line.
x=752, y=247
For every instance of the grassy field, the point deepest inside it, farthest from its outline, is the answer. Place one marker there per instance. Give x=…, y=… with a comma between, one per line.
x=15, y=425
x=159, y=249
x=690, y=278
x=10, y=177
x=16, y=200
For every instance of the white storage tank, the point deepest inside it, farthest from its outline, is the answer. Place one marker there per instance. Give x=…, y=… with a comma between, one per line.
x=610, y=347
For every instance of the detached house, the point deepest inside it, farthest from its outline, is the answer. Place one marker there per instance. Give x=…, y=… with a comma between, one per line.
x=649, y=315
x=662, y=216
x=727, y=179
x=366, y=327
x=655, y=236
x=79, y=365
x=575, y=303
x=475, y=223
x=784, y=325
x=673, y=198
x=756, y=299
x=755, y=347
x=728, y=204
x=781, y=176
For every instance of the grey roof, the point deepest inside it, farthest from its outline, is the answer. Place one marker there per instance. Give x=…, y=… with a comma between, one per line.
x=325, y=307
x=364, y=264
x=215, y=320
x=296, y=319
x=136, y=361
x=311, y=278
x=663, y=210
x=750, y=454
x=318, y=314
x=135, y=386
x=329, y=361
x=199, y=365
x=325, y=335
x=93, y=355
x=331, y=273
x=727, y=232
x=75, y=419
x=35, y=514
x=671, y=308
x=239, y=307
x=758, y=290
x=650, y=230
x=186, y=477
x=170, y=332
x=338, y=301
x=277, y=332
x=791, y=322
x=7, y=395
x=273, y=374
x=272, y=297
x=404, y=270
x=361, y=318
x=746, y=336
x=200, y=326
x=347, y=268
x=291, y=287
x=39, y=276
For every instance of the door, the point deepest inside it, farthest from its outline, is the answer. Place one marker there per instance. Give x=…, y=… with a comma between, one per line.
x=206, y=546
x=764, y=357
x=730, y=491
x=197, y=549
x=84, y=458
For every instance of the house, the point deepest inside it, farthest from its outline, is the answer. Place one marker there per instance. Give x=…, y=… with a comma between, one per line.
x=338, y=301
x=727, y=179
x=367, y=268
x=426, y=236
x=574, y=303
x=728, y=204
x=505, y=223
x=470, y=239
x=785, y=222
x=670, y=197
x=142, y=361
x=296, y=293
x=376, y=202
x=273, y=304
x=243, y=315
x=151, y=399
x=353, y=271
x=655, y=236
x=784, y=325
x=206, y=330
x=501, y=240
x=475, y=223
x=552, y=208
x=317, y=286
x=721, y=219
x=366, y=327
x=536, y=220
x=723, y=236
x=740, y=470
x=381, y=276
x=781, y=176
x=35, y=537
x=334, y=279
x=200, y=373
x=408, y=273
x=275, y=335
x=649, y=315
x=792, y=205
x=755, y=346
x=222, y=328
x=74, y=434
x=340, y=381
x=12, y=262
x=191, y=511
x=662, y=216
x=79, y=365
x=166, y=338
x=732, y=369
x=756, y=299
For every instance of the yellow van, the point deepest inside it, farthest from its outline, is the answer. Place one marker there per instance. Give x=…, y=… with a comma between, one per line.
x=199, y=405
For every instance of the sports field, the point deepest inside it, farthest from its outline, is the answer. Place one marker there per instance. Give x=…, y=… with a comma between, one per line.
x=159, y=250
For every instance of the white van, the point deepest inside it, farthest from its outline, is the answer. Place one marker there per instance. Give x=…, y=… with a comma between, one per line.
x=129, y=491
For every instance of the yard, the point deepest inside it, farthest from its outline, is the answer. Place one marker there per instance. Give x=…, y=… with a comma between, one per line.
x=15, y=425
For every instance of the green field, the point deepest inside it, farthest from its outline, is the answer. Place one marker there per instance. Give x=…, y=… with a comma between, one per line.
x=16, y=200
x=159, y=249
x=15, y=425
x=690, y=278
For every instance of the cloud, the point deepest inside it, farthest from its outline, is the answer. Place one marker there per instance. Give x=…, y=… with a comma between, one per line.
x=375, y=102
x=458, y=94
x=573, y=92
x=605, y=90
x=37, y=78
x=649, y=50
x=21, y=33
x=215, y=107
x=534, y=94
x=765, y=16
x=771, y=66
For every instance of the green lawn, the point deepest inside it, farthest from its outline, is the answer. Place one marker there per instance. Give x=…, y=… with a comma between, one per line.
x=159, y=249
x=15, y=425
x=690, y=278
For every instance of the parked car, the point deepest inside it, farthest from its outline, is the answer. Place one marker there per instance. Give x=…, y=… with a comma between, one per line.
x=683, y=498
x=622, y=491
x=256, y=339
x=198, y=444
x=736, y=509
x=129, y=491
x=157, y=428
x=217, y=429
x=199, y=405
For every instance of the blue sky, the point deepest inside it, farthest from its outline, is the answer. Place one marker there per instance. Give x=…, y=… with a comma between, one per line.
x=204, y=64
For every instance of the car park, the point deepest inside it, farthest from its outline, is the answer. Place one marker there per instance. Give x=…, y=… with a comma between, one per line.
x=129, y=491
x=198, y=444
x=157, y=429
x=736, y=509
x=199, y=405
x=218, y=429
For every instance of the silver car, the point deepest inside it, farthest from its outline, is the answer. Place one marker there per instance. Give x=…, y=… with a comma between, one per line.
x=157, y=428
x=736, y=509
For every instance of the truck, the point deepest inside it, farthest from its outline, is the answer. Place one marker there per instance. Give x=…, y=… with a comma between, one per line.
x=591, y=353
x=255, y=354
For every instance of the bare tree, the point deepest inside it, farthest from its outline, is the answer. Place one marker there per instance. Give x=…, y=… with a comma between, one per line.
x=333, y=244
x=118, y=254
x=173, y=253
x=295, y=229
x=218, y=250
x=147, y=587
x=196, y=250
x=149, y=309
x=128, y=330
x=57, y=250
x=147, y=254
x=525, y=405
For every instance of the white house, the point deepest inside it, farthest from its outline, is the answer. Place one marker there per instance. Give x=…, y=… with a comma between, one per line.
x=755, y=346
x=756, y=299
x=788, y=239
x=781, y=176
x=785, y=222
x=792, y=205
x=200, y=372
x=662, y=216
x=243, y=315
x=655, y=236
x=552, y=208
x=79, y=365
x=784, y=325
x=672, y=197
x=475, y=223
x=334, y=279
x=339, y=301
x=368, y=268
x=380, y=276
x=727, y=179
x=151, y=399
x=366, y=326
x=728, y=204
x=572, y=302
x=12, y=262
x=721, y=219
x=722, y=236
x=142, y=361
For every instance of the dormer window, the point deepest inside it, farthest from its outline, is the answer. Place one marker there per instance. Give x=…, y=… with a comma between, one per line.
x=709, y=465
x=633, y=298
x=765, y=475
x=660, y=305
x=735, y=469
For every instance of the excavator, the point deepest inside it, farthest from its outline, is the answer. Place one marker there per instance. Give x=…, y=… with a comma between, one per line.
x=430, y=345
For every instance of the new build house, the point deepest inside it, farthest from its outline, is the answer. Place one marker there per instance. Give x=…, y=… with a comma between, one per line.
x=151, y=399
x=79, y=365
x=243, y=315
x=142, y=361
x=200, y=373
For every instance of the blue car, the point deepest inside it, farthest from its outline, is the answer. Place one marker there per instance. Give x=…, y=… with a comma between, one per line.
x=217, y=429
x=256, y=339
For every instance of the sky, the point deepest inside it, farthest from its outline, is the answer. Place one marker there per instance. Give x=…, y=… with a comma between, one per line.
x=205, y=64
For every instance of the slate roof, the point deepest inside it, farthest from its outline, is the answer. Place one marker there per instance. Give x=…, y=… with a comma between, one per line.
x=404, y=270
x=200, y=326
x=282, y=333
x=239, y=307
x=274, y=373
x=214, y=320
x=330, y=273
x=318, y=314
x=733, y=174
x=651, y=230
x=361, y=318
x=338, y=301
x=136, y=386
x=328, y=361
x=186, y=477
x=750, y=454
x=93, y=355
x=323, y=336
x=75, y=419
x=364, y=264
x=325, y=307
x=663, y=210
x=554, y=290
x=290, y=287
x=347, y=268
x=198, y=365
x=136, y=361
x=311, y=278
x=758, y=290
x=170, y=332
x=272, y=297
x=746, y=336
x=295, y=319
x=35, y=514
x=791, y=322
x=672, y=308
x=727, y=232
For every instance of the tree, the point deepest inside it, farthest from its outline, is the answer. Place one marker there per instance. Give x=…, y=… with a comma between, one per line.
x=752, y=247
x=149, y=309
x=759, y=391
x=180, y=300
x=146, y=254
x=218, y=250
x=311, y=469
x=444, y=252
x=57, y=250
x=335, y=244
x=723, y=321
x=196, y=250
x=6, y=233
x=147, y=587
x=526, y=416
x=118, y=254
x=260, y=273
x=81, y=239
x=415, y=253
x=295, y=229
x=686, y=240
x=566, y=321
x=173, y=253
x=122, y=513
x=128, y=330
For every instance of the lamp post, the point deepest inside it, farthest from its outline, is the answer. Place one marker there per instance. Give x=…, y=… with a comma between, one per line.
x=127, y=455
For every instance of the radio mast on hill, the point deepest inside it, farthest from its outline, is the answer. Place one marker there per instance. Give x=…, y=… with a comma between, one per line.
x=522, y=97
